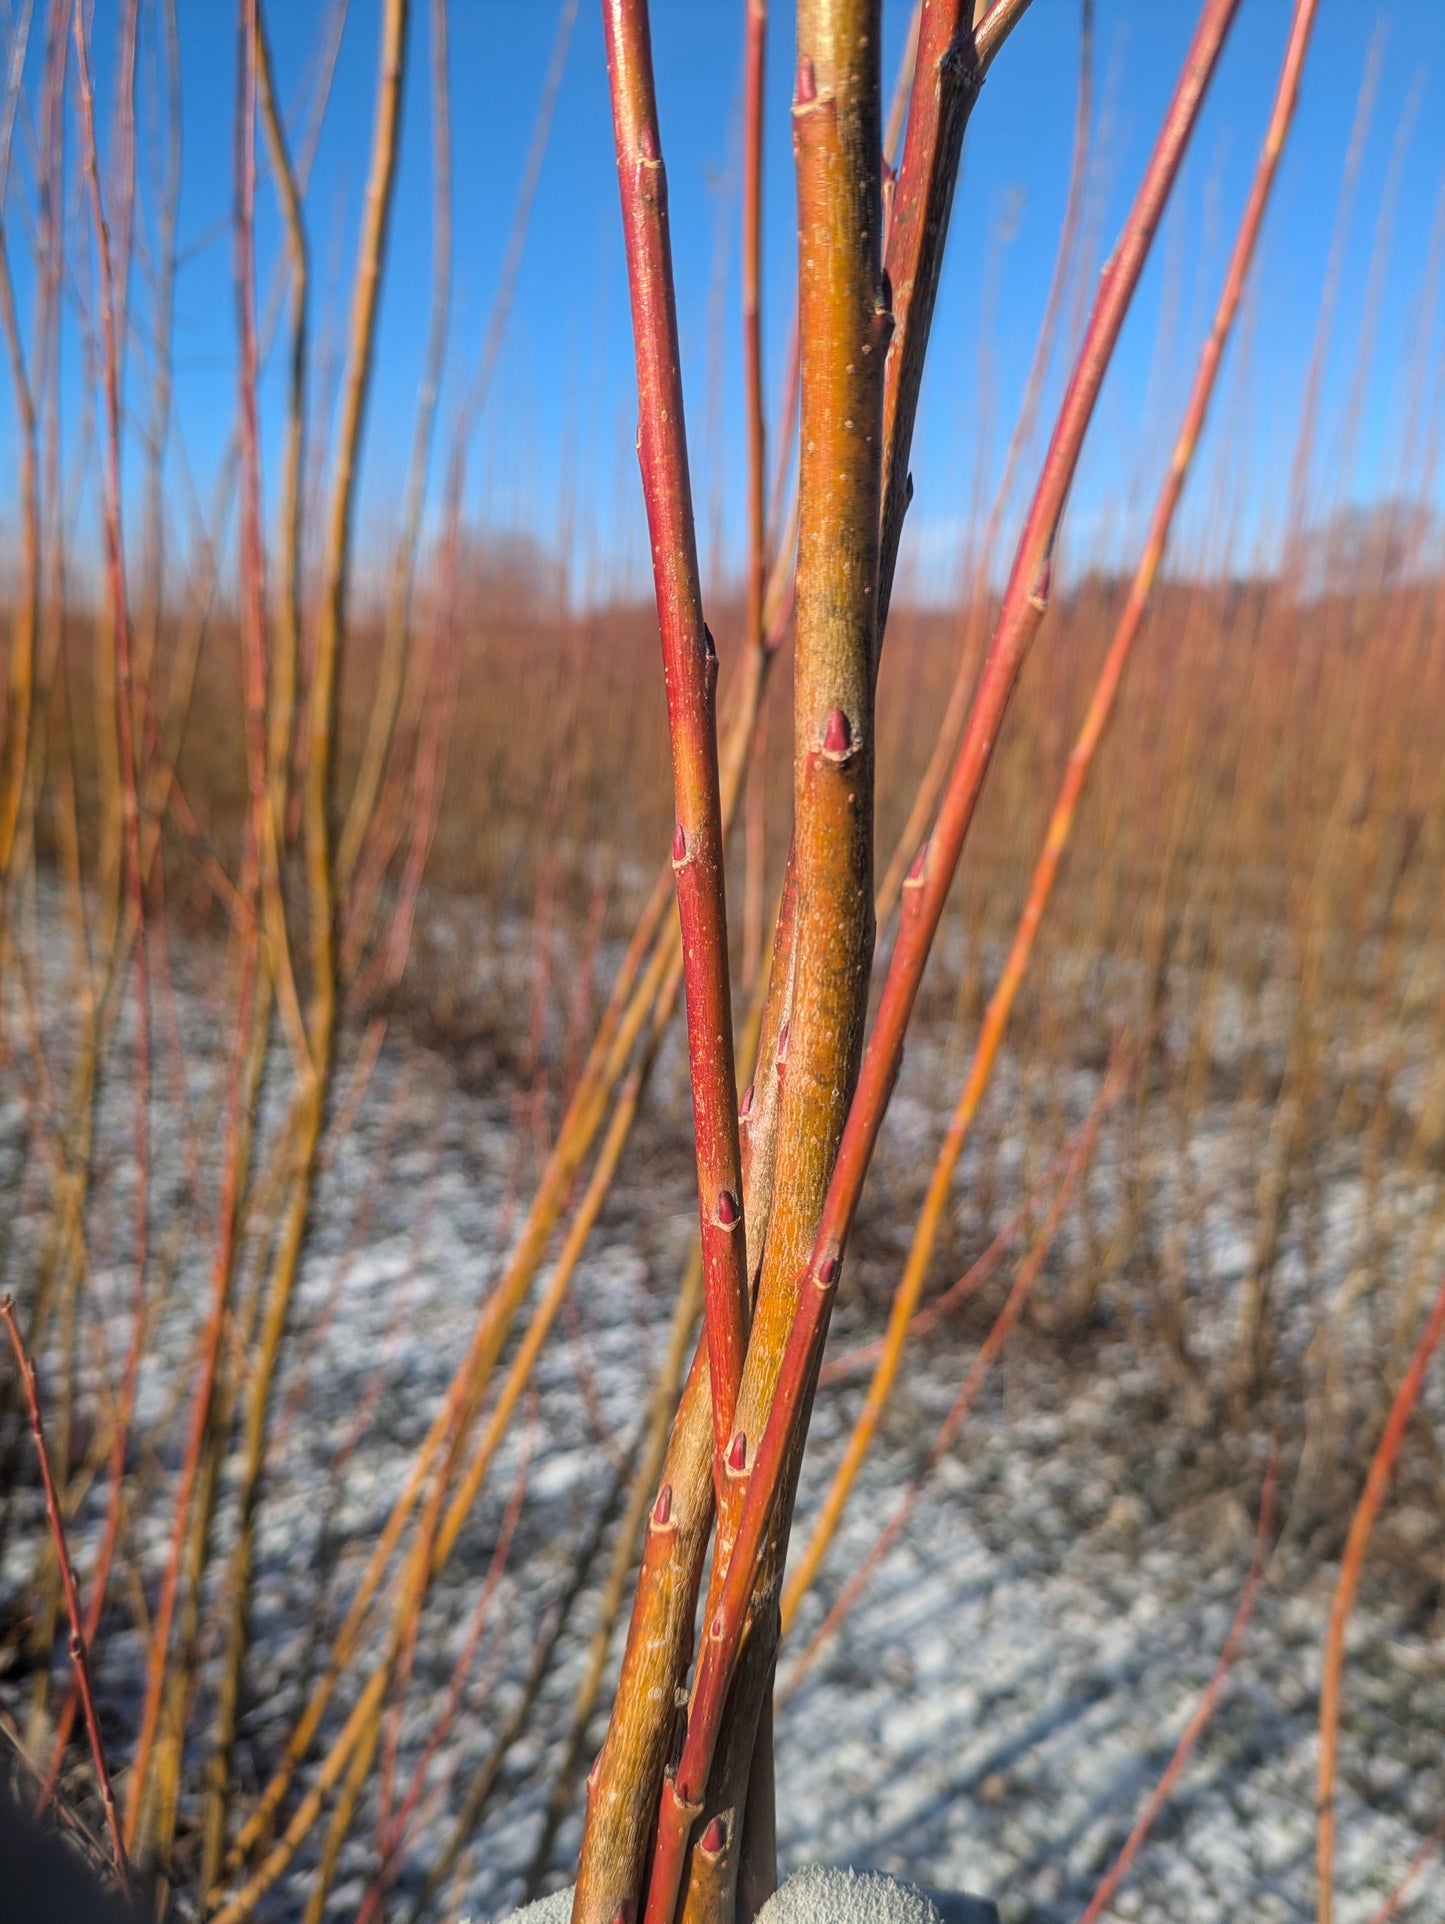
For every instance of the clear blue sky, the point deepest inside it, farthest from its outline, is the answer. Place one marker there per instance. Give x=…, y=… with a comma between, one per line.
x=555, y=448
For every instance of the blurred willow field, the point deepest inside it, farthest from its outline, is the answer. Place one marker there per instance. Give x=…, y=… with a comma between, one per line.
x=1252, y=888
x=294, y=825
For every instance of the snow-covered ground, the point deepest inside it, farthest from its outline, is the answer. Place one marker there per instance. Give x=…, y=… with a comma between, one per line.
x=1012, y=1681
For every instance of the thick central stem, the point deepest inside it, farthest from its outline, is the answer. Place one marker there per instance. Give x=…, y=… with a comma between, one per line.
x=844, y=326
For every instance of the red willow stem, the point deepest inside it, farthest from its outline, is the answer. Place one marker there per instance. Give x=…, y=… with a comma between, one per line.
x=79, y=1655
x=690, y=669
x=1361, y=1524
x=1203, y=1710
x=1413, y=1869
x=950, y=64
x=975, y=611
x=927, y=886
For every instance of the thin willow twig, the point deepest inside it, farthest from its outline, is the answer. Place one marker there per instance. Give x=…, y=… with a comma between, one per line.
x=690, y=670
x=79, y=1653
x=1362, y=1522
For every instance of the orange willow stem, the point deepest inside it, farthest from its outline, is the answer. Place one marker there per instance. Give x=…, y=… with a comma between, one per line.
x=115, y=569
x=837, y=1369
x=690, y=669
x=260, y=850
x=79, y=1655
x=318, y=864
x=1061, y=822
x=623, y=1786
x=17, y=690
x=1361, y=1524
x=1203, y=1710
x=453, y=1423
x=622, y=1020
x=1024, y=605
x=755, y=50
x=1030, y=1269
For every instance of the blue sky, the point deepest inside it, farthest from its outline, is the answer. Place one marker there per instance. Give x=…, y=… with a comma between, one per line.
x=554, y=452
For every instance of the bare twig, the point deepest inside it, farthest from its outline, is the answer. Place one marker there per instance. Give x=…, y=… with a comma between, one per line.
x=79, y=1654
x=1361, y=1524
x=690, y=669
x=1104, y=1896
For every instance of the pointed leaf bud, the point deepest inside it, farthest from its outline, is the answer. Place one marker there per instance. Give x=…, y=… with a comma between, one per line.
x=727, y=1209
x=738, y=1453
x=662, y=1509
x=837, y=735
x=807, y=83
